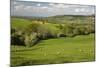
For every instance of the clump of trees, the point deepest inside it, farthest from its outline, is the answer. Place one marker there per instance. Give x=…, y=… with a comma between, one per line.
x=32, y=34
x=73, y=29
x=36, y=32
x=17, y=37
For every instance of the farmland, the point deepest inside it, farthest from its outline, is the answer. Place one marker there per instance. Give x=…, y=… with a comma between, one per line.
x=61, y=50
x=58, y=39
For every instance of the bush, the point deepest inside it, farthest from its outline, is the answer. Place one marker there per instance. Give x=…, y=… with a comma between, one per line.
x=31, y=39
x=17, y=39
x=68, y=29
x=13, y=30
x=73, y=29
x=36, y=32
x=34, y=27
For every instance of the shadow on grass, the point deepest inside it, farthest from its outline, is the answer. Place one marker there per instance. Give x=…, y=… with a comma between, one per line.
x=29, y=62
x=42, y=62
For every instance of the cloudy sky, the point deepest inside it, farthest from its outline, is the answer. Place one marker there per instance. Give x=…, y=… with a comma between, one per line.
x=44, y=9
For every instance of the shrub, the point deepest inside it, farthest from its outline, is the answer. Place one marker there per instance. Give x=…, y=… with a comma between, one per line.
x=68, y=29
x=13, y=30
x=36, y=32
x=31, y=39
x=17, y=39
x=34, y=27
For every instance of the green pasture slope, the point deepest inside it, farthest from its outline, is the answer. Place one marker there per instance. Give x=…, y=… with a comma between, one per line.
x=19, y=23
x=61, y=50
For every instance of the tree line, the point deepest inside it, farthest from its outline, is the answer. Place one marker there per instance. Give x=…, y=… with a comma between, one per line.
x=35, y=32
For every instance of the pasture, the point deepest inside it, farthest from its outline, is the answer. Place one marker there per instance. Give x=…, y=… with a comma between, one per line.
x=52, y=40
x=80, y=48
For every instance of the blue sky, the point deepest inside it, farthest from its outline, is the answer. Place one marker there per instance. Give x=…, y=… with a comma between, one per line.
x=45, y=9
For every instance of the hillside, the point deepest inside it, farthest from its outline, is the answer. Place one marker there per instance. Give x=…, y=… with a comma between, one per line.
x=49, y=40
x=61, y=50
x=62, y=18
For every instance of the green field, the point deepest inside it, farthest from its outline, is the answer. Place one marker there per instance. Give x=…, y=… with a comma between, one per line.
x=19, y=23
x=59, y=39
x=80, y=48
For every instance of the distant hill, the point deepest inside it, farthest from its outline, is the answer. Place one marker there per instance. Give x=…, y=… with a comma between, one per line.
x=71, y=18
x=62, y=18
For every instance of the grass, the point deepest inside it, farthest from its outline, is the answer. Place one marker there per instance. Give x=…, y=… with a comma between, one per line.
x=19, y=23
x=60, y=50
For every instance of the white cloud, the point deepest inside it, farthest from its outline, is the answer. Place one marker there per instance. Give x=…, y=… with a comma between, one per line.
x=44, y=7
x=50, y=9
x=51, y=4
x=19, y=7
x=59, y=5
x=38, y=4
x=93, y=10
x=77, y=10
x=15, y=3
x=82, y=10
x=87, y=11
x=27, y=7
x=36, y=9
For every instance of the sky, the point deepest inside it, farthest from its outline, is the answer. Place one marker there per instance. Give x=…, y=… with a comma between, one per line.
x=45, y=9
x=85, y=2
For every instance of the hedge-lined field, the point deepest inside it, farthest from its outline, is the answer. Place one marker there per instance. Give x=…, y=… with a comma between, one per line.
x=59, y=39
x=29, y=32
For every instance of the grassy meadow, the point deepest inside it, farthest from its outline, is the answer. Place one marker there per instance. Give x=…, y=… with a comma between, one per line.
x=38, y=41
x=61, y=50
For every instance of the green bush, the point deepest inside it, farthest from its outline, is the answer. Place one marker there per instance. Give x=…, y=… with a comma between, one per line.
x=73, y=29
x=17, y=38
x=36, y=32
x=30, y=40
x=68, y=29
